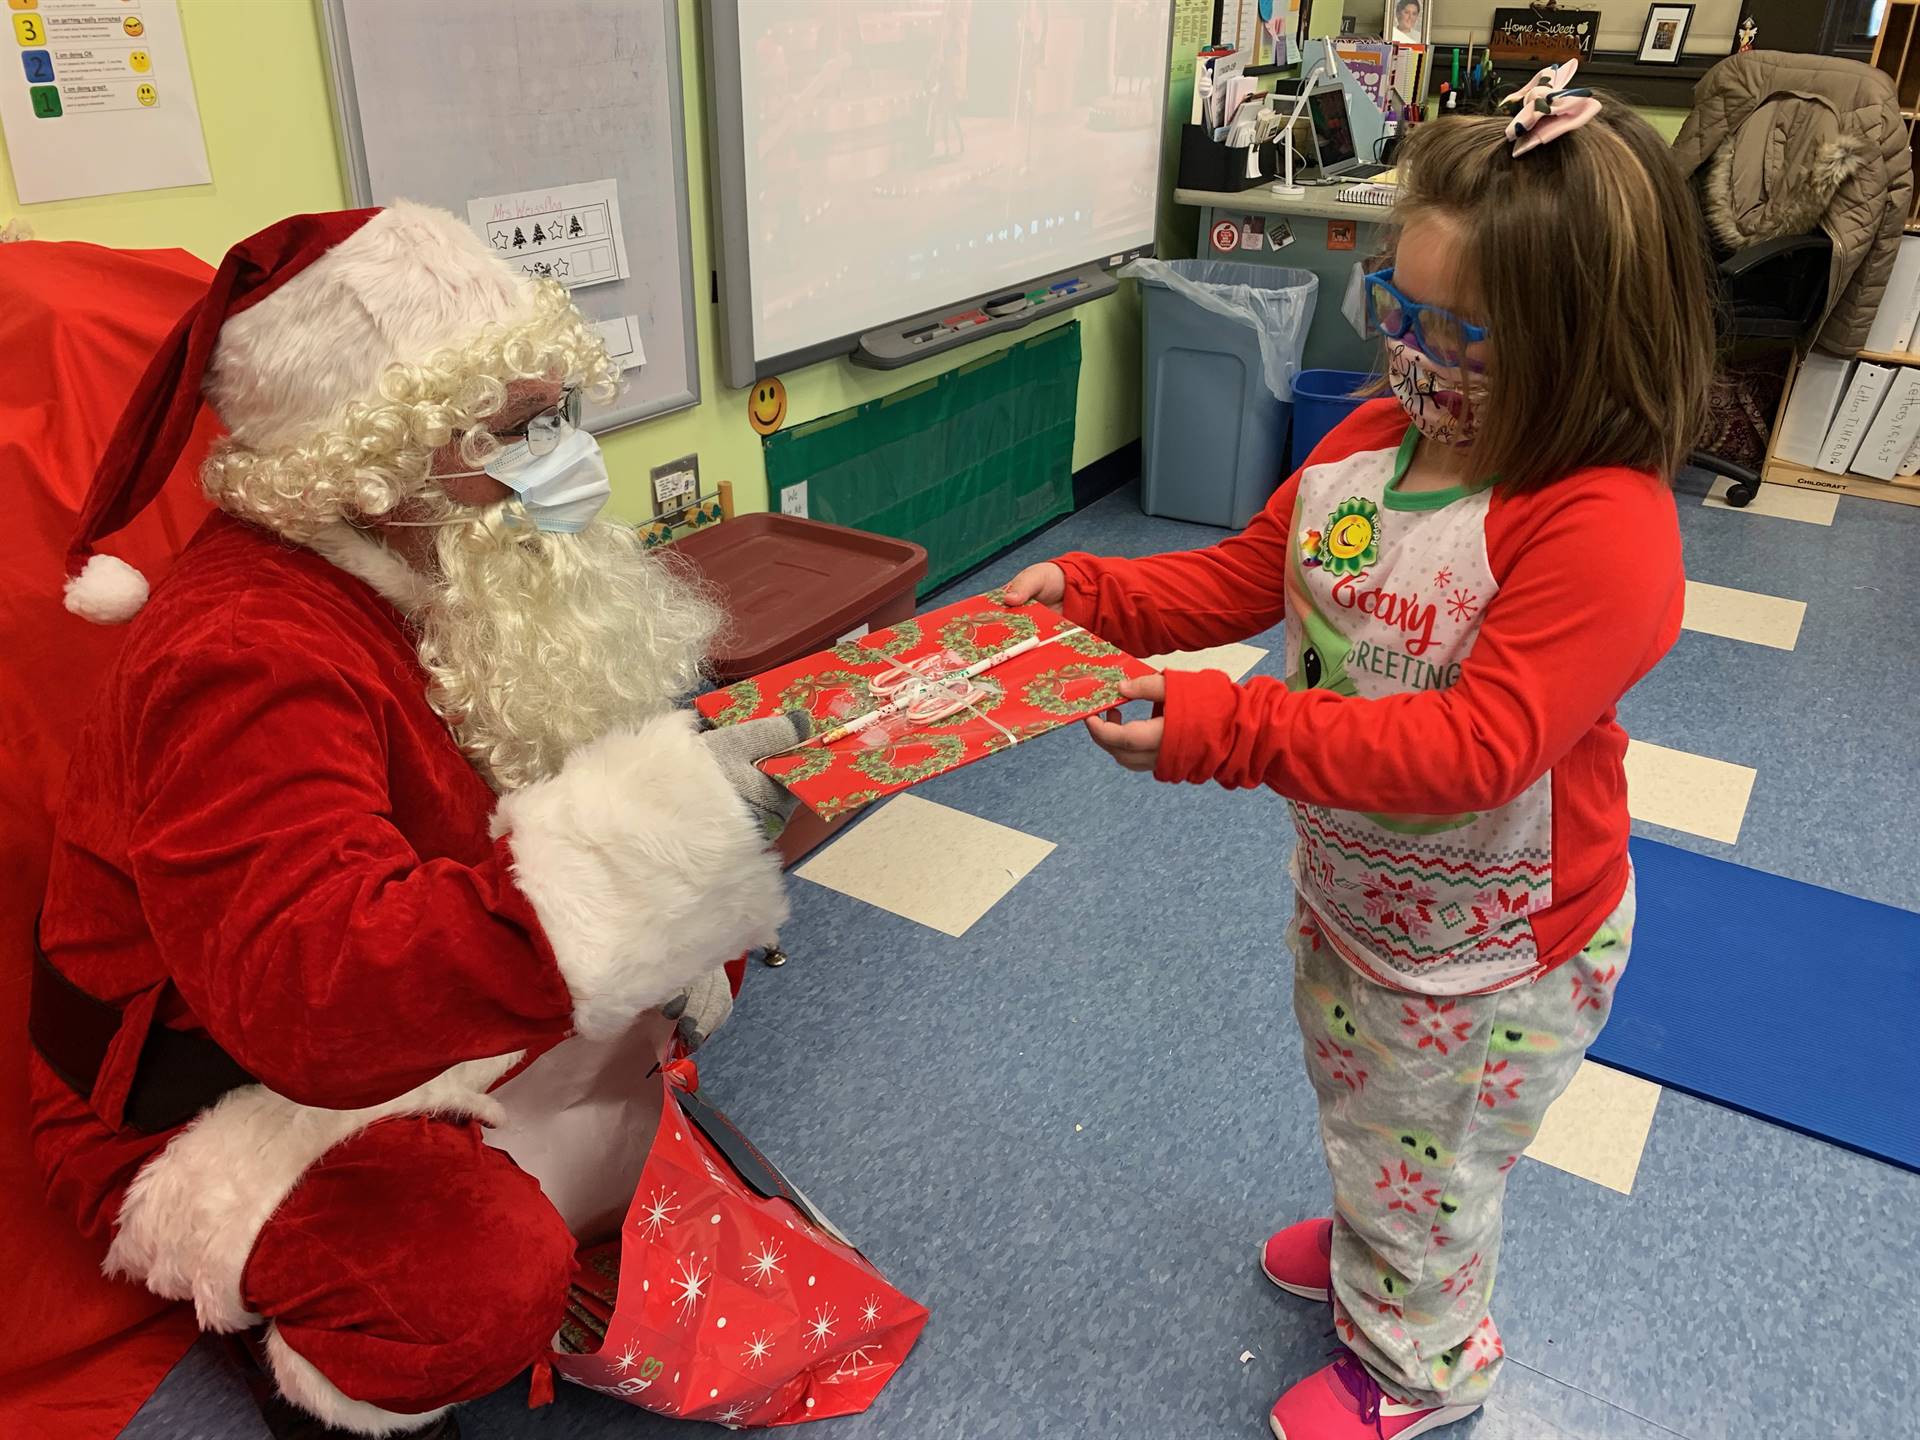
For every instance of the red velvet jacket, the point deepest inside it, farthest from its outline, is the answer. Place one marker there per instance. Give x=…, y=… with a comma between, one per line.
x=269, y=834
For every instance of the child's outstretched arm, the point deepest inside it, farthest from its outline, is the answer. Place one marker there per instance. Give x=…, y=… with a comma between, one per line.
x=1187, y=600
x=1591, y=592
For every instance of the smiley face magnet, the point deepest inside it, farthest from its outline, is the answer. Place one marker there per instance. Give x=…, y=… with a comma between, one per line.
x=767, y=405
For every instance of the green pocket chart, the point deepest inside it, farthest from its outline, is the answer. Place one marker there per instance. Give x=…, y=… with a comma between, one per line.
x=965, y=463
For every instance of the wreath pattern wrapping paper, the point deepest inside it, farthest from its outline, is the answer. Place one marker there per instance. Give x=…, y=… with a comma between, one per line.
x=1048, y=686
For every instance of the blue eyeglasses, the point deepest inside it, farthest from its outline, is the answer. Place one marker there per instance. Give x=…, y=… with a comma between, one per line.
x=1436, y=332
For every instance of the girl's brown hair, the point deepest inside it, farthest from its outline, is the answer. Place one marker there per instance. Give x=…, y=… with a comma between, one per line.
x=1594, y=277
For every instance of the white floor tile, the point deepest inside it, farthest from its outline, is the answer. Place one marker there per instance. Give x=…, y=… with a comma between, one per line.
x=1694, y=793
x=1598, y=1127
x=1744, y=615
x=1236, y=660
x=936, y=866
x=1781, y=502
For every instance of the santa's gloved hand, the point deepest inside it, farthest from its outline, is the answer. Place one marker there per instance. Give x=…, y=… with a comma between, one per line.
x=701, y=1009
x=735, y=748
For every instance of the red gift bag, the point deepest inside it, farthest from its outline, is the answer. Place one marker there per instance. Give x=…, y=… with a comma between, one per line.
x=728, y=1297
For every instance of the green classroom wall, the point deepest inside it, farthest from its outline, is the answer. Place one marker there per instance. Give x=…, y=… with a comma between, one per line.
x=260, y=74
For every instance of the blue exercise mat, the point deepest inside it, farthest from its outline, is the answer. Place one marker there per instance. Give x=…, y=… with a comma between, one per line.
x=1792, y=1003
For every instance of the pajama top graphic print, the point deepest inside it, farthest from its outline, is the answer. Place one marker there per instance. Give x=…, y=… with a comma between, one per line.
x=1389, y=590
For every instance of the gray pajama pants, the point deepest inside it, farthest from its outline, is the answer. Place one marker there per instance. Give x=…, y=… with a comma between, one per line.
x=1426, y=1102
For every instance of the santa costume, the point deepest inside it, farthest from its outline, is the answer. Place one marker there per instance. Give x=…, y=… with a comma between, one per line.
x=373, y=830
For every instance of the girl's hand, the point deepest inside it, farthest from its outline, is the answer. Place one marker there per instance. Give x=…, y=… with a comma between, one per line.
x=1134, y=743
x=1038, y=585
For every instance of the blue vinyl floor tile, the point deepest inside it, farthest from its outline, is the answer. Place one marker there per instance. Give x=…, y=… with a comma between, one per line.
x=1067, y=1131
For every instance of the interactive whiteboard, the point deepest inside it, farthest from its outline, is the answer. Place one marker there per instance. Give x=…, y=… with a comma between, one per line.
x=878, y=159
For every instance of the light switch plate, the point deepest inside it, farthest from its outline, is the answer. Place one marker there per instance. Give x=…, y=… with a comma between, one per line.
x=676, y=486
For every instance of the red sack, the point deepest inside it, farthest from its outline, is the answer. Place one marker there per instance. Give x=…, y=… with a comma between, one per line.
x=731, y=1298
x=78, y=1353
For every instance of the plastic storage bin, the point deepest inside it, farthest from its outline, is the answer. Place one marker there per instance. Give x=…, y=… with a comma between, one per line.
x=791, y=587
x=1222, y=345
x=1321, y=400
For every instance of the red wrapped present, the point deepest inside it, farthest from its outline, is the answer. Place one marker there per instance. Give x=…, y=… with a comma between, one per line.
x=728, y=1297
x=928, y=695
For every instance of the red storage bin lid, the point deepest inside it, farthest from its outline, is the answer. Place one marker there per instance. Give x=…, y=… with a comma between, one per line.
x=794, y=586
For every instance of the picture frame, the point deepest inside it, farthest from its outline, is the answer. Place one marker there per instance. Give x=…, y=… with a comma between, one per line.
x=1407, y=22
x=1664, y=41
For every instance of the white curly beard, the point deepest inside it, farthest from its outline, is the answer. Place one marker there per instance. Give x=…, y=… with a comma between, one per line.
x=537, y=643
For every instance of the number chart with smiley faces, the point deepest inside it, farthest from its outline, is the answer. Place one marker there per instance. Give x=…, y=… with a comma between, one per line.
x=102, y=100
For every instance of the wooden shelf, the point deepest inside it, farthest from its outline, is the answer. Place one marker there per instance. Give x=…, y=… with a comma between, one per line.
x=1902, y=490
x=1894, y=52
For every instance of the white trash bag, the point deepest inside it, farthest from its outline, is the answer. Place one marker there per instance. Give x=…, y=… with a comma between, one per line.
x=1277, y=301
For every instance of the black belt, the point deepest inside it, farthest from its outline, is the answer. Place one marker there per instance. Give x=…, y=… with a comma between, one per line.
x=179, y=1073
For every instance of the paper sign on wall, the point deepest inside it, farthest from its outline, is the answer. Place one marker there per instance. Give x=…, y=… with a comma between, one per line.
x=569, y=233
x=622, y=337
x=100, y=101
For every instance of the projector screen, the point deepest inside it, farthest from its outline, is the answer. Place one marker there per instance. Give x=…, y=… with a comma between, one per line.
x=878, y=159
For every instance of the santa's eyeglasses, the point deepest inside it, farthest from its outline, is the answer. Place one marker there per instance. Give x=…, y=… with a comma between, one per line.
x=543, y=432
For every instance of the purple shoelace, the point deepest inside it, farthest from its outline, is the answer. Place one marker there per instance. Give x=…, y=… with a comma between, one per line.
x=1364, y=1389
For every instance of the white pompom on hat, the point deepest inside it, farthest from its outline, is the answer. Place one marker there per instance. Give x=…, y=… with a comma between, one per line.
x=299, y=322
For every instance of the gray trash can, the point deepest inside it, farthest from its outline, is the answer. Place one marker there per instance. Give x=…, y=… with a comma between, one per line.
x=1222, y=345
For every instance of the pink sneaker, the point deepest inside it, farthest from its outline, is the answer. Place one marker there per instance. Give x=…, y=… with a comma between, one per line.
x=1299, y=1261
x=1345, y=1402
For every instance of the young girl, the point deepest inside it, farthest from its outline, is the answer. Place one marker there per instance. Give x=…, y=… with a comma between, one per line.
x=1472, y=574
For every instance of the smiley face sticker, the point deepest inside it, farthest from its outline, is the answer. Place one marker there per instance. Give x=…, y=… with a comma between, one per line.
x=139, y=61
x=767, y=405
x=146, y=94
x=1351, y=541
x=134, y=26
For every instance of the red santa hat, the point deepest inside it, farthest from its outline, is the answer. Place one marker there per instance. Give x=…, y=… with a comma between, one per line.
x=299, y=322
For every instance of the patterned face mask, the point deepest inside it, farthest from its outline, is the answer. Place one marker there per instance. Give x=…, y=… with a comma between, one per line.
x=1441, y=400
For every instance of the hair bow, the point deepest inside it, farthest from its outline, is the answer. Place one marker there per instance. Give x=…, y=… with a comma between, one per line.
x=1548, y=108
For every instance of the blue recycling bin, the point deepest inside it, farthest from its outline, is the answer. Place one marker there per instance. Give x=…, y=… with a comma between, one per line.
x=1321, y=400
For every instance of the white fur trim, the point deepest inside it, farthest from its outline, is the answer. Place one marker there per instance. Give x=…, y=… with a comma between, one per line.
x=645, y=868
x=410, y=281
x=365, y=558
x=302, y=1383
x=107, y=591
x=194, y=1211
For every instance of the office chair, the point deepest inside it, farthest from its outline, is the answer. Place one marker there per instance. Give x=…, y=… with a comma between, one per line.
x=1771, y=296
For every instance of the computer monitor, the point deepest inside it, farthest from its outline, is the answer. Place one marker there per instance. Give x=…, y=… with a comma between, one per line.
x=1332, y=130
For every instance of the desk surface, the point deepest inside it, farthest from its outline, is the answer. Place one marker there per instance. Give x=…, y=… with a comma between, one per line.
x=1260, y=200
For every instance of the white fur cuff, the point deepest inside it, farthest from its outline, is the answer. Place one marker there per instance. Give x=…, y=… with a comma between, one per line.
x=645, y=868
x=302, y=1383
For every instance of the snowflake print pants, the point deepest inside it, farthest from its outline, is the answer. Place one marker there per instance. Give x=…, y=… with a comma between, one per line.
x=1426, y=1102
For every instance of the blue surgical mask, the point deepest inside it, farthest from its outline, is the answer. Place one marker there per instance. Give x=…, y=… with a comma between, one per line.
x=564, y=487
